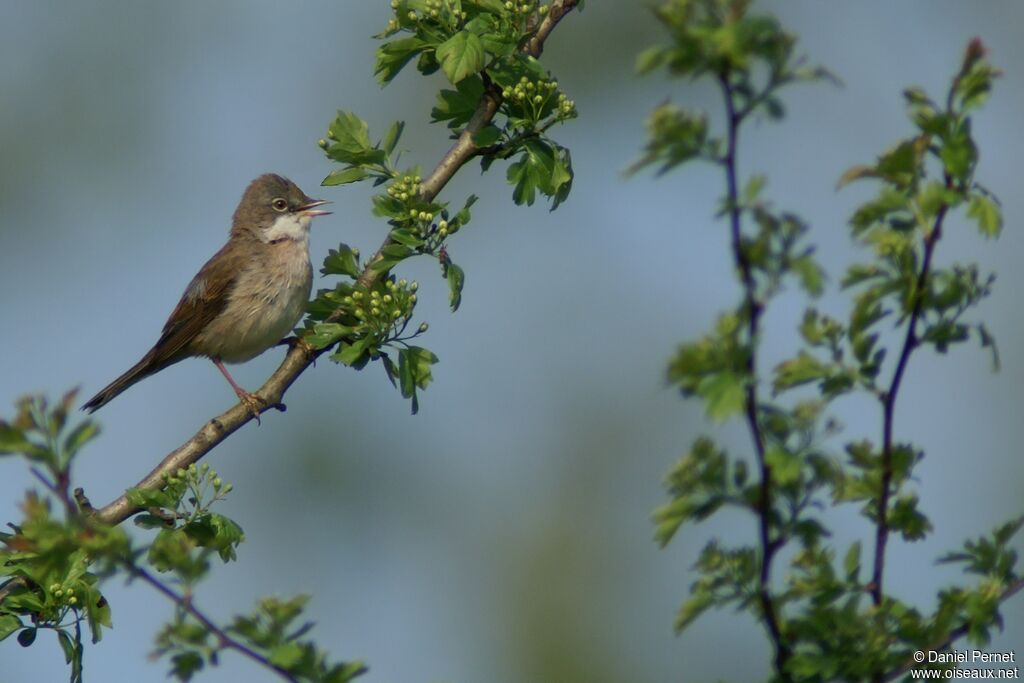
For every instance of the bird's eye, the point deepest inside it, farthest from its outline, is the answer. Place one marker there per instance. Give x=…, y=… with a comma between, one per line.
x=279, y=204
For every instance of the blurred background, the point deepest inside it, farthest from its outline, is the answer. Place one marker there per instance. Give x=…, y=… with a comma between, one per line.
x=502, y=534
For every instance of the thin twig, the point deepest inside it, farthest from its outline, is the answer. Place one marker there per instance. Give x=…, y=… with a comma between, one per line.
x=888, y=398
x=301, y=356
x=769, y=546
x=224, y=640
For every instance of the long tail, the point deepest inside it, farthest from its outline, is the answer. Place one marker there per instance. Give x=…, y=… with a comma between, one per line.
x=144, y=368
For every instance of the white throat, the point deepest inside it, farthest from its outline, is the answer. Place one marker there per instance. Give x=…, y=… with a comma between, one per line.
x=289, y=226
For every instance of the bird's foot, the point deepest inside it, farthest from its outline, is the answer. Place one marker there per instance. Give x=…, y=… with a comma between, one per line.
x=257, y=404
x=253, y=403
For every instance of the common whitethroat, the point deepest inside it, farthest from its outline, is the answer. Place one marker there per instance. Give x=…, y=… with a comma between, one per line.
x=247, y=297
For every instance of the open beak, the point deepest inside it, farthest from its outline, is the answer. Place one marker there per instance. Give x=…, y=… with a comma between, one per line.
x=310, y=209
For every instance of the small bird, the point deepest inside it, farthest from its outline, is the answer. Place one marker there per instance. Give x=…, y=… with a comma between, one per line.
x=247, y=297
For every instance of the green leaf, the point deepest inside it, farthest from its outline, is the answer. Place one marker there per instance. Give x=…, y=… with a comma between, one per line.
x=536, y=169
x=79, y=436
x=185, y=665
x=8, y=625
x=26, y=637
x=812, y=277
x=457, y=106
x=784, y=466
x=341, y=261
x=851, y=563
x=349, y=353
x=325, y=334
x=148, y=498
x=675, y=136
x=456, y=278
x=390, y=369
x=723, y=393
x=461, y=55
x=147, y=521
x=651, y=59
x=287, y=655
x=463, y=216
x=387, y=206
x=905, y=518
x=390, y=140
x=987, y=214
x=350, y=132
x=393, y=56
x=414, y=372
x=989, y=342
x=396, y=252
x=227, y=536
x=487, y=136
x=406, y=238
x=345, y=176
x=698, y=484
x=67, y=645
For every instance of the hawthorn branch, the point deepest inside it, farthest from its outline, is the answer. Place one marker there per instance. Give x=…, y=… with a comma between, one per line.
x=910, y=342
x=224, y=641
x=956, y=634
x=301, y=355
x=754, y=309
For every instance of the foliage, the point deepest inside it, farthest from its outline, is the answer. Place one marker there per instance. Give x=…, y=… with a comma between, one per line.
x=478, y=45
x=53, y=566
x=830, y=618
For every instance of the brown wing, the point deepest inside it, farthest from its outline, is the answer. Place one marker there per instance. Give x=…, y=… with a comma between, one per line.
x=204, y=299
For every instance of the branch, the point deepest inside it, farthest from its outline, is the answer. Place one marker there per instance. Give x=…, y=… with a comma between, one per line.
x=754, y=308
x=223, y=639
x=910, y=342
x=947, y=641
x=301, y=356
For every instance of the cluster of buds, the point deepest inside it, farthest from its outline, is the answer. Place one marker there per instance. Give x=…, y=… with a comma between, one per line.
x=64, y=595
x=197, y=479
x=420, y=214
x=436, y=233
x=566, y=107
x=405, y=187
x=435, y=10
x=525, y=7
x=386, y=309
x=534, y=100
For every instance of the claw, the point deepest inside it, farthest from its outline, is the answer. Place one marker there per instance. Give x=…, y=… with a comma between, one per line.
x=253, y=403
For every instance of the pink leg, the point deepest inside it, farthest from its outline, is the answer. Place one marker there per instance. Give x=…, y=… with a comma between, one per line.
x=242, y=393
x=254, y=403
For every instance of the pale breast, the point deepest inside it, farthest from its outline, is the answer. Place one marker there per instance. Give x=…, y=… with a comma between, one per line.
x=267, y=301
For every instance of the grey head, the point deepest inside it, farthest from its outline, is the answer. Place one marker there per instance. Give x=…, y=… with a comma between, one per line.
x=274, y=208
